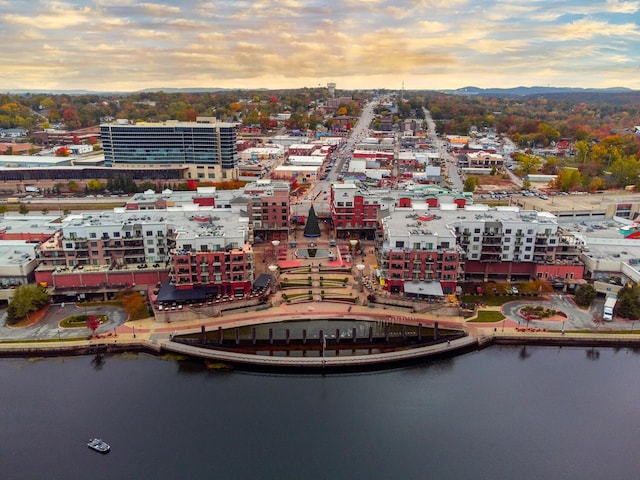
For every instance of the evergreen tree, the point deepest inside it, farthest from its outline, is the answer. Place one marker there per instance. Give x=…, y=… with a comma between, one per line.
x=585, y=295
x=628, y=304
x=312, y=228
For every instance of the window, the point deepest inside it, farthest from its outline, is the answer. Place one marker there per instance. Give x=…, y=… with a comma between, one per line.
x=116, y=234
x=507, y=231
x=444, y=244
x=400, y=244
x=476, y=239
x=94, y=244
x=529, y=232
x=477, y=230
x=507, y=239
x=93, y=235
x=151, y=250
x=149, y=233
x=527, y=249
x=68, y=245
x=529, y=240
x=150, y=241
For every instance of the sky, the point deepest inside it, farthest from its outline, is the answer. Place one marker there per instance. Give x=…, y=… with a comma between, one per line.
x=126, y=45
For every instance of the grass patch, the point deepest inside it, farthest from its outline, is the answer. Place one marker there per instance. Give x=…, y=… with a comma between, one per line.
x=44, y=340
x=488, y=316
x=79, y=321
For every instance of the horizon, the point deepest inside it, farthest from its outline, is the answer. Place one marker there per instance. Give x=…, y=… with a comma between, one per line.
x=129, y=46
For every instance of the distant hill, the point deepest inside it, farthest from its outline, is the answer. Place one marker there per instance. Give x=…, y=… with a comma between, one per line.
x=38, y=91
x=531, y=91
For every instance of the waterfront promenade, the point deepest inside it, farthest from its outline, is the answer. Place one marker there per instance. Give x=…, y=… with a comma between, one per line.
x=148, y=334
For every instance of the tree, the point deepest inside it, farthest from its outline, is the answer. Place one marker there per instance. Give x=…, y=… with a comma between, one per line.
x=568, y=179
x=45, y=211
x=95, y=185
x=585, y=295
x=528, y=164
x=526, y=184
x=628, y=304
x=23, y=209
x=625, y=171
x=93, y=322
x=63, y=152
x=26, y=299
x=470, y=184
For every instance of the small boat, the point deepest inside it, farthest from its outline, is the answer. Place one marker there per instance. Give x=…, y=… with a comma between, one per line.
x=98, y=445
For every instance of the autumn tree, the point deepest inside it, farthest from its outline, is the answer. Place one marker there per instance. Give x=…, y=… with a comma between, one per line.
x=527, y=163
x=93, y=322
x=568, y=179
x=26, y=299
x=625, y=171
x=95, y=185
x=134, y=303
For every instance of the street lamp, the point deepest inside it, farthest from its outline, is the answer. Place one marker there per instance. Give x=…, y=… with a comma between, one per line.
x=353, y=248
x=274, y=272
x=275, y=244
x=360, y=268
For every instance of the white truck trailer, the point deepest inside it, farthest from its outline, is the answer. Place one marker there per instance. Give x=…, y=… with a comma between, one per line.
x=609, y=305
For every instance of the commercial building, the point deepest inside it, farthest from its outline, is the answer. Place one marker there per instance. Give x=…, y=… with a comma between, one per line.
x=418, y=254
x=99, y=253
x=209, y=145
x=17, y=263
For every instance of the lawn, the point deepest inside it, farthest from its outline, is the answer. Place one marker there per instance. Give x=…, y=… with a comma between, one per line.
x=488, y=316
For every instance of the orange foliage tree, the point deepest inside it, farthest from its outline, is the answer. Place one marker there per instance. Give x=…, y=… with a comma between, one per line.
x=134, y=303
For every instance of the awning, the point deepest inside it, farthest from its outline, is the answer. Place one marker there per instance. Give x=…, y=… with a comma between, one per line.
x=263, y=281
x=432, y=289
x=169, y=293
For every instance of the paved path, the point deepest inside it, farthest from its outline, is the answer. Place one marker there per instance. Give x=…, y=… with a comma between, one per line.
x=577, y=318
x=48, y=327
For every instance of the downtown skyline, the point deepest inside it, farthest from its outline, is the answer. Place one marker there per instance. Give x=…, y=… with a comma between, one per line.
x=125, y=45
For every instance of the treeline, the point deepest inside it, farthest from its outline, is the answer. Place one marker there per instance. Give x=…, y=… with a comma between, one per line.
x=250, y=107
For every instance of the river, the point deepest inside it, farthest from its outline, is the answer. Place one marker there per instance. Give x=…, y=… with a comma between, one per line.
x=500, y=413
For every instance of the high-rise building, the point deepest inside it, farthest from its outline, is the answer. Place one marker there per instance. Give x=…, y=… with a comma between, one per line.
x=211, y=145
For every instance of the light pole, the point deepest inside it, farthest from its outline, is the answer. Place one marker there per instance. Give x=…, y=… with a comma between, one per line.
x=360, y=269
x=274, y=272
x=275, y=244
x=353, y=248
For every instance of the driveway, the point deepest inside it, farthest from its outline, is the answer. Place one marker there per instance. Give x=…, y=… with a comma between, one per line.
x=577, y=319
x=47, y=328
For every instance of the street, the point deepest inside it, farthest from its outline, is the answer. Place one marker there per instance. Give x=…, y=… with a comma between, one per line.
x=48, y=327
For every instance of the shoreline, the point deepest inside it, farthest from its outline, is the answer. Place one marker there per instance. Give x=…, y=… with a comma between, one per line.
x=476, y=338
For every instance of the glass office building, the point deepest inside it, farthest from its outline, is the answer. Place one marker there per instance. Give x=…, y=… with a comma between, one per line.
x=170, y=143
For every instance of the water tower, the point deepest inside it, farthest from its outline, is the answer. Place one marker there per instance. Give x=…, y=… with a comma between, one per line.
x=332, y=89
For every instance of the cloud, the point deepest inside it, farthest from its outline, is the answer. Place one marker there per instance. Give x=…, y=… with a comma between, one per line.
x=269, y=43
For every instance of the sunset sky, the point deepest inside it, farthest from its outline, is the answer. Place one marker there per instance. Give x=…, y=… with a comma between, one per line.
x=124, y=45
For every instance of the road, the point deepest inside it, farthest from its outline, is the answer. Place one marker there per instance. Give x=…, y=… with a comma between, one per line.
x=341, y=157
x=48, y=327
x=450, y=164
x=577, y=319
